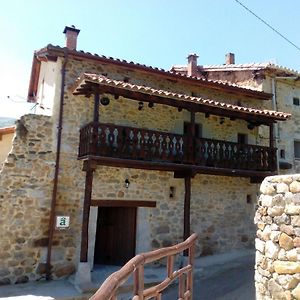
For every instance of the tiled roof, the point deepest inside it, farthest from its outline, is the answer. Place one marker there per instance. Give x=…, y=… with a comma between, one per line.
x=211, y=83
x=7, y=130
x=103, y=80
x=251, y=66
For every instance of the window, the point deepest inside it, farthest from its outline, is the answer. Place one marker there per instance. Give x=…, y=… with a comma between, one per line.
x=296, y=101
x=242, y=138
x=297, y=149
x=187, y=129
x=282, y=153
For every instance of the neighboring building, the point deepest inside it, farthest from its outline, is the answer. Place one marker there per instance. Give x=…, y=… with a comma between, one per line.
x=282, y=82
x=6, y=140
x=131, y=159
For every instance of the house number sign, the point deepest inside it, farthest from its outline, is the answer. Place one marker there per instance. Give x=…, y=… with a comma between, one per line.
x=62, y=222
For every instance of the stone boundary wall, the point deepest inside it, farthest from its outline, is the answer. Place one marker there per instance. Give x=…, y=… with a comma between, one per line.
x=277, y=266
x=25, y=195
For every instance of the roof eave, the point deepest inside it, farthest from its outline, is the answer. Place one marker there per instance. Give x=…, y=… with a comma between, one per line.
x=78, y=89
x=56, y=50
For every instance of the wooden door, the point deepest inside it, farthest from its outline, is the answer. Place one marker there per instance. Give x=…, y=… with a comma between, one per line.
x=115, y=235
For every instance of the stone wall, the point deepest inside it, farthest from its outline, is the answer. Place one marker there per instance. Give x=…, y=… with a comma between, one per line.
x=277, y=267
x=221, y=212
x=25, y=193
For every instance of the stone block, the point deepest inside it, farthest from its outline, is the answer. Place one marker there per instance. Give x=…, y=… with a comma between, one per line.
x=295, y=187
x=274, y=236
x=288, y=229
x=286, y=242
x=271, y=250
x=282, y=187
x=266, y=200
x=63, y=269
x=267, y=188
x=260, y=245
x=283, y=219
x=295, y=221
x=296, y=242
x=292, y=255
x=296, y=292
x=291, y=209
x=286, y=267
x=275, y=211
x=276, y=290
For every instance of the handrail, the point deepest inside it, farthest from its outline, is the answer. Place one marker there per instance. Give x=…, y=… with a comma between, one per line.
x=135, y=266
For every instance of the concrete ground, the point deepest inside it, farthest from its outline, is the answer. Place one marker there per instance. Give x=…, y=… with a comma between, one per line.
x=229, y=281
x=219, y=277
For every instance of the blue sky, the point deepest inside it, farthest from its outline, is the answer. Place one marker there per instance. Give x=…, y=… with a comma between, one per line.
x=157, y=32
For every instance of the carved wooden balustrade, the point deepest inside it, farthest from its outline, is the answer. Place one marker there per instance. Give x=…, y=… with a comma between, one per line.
x=109, y=140
x=223, y=154
x=135, y=267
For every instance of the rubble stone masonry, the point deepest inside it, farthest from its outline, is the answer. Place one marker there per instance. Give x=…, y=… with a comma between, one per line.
x=277, y=267
x=222, y=208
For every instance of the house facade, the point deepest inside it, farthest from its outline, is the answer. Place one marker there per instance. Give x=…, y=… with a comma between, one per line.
x=130, y=158
x=282, y=83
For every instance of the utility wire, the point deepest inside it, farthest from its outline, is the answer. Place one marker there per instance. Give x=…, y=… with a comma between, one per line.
x=267, y=24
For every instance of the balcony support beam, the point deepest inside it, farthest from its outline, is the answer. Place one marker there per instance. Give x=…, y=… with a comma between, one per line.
x=271, y=135
x=96, y=106
x=187, y=209
x=90, y=168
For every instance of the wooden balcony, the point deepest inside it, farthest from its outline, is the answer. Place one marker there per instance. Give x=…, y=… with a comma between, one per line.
x=117, y=145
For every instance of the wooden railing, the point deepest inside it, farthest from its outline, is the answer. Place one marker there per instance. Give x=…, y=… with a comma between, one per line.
x=125, y=142
x=223, y=154
x=135, y=267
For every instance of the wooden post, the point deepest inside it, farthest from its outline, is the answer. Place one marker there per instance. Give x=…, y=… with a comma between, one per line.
x=86, y=212
x=96, y=106
x=271, y=135
x=187, y=206
x=272, y=152
x=95, y=123
x=192, y=137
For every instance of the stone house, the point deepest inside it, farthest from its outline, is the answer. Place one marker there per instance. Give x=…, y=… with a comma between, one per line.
x=283, y=83
x=6, y=138
x=129, y=159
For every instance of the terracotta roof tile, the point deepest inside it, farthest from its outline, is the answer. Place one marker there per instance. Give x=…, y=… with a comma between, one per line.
x=103, y=80
x=177, y=74
x=7, y=130
x=250, y=66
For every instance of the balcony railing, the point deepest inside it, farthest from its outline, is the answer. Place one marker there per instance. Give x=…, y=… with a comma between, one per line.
x=109, y=140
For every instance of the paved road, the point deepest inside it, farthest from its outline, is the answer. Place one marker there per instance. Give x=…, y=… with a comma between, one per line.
x=234, y=283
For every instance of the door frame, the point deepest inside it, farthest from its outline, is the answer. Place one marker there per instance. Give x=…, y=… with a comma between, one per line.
x=141, y=205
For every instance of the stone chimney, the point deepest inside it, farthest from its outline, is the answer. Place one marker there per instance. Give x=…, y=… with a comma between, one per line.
x=71, y=37
x=192, y=65
x=229, y=59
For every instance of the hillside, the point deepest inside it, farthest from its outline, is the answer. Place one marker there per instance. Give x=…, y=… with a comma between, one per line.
x=5, y=122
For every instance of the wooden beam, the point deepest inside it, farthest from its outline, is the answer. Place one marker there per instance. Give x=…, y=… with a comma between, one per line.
x=86, y=215
x=122, y=203
x=174, y=167
x=96, y=106
x=187, y=208
x=271, y=135
x=183, y=174
x=192, y=136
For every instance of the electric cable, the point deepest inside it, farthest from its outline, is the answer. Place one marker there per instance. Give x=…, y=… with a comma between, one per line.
x=267, y=24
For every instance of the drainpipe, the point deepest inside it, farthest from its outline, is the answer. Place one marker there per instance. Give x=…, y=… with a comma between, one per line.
x=55, y=183
x=274, y=107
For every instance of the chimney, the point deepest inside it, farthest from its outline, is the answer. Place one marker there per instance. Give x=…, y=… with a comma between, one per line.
x=192, y=65
x=229, y=59
x=71, y=37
